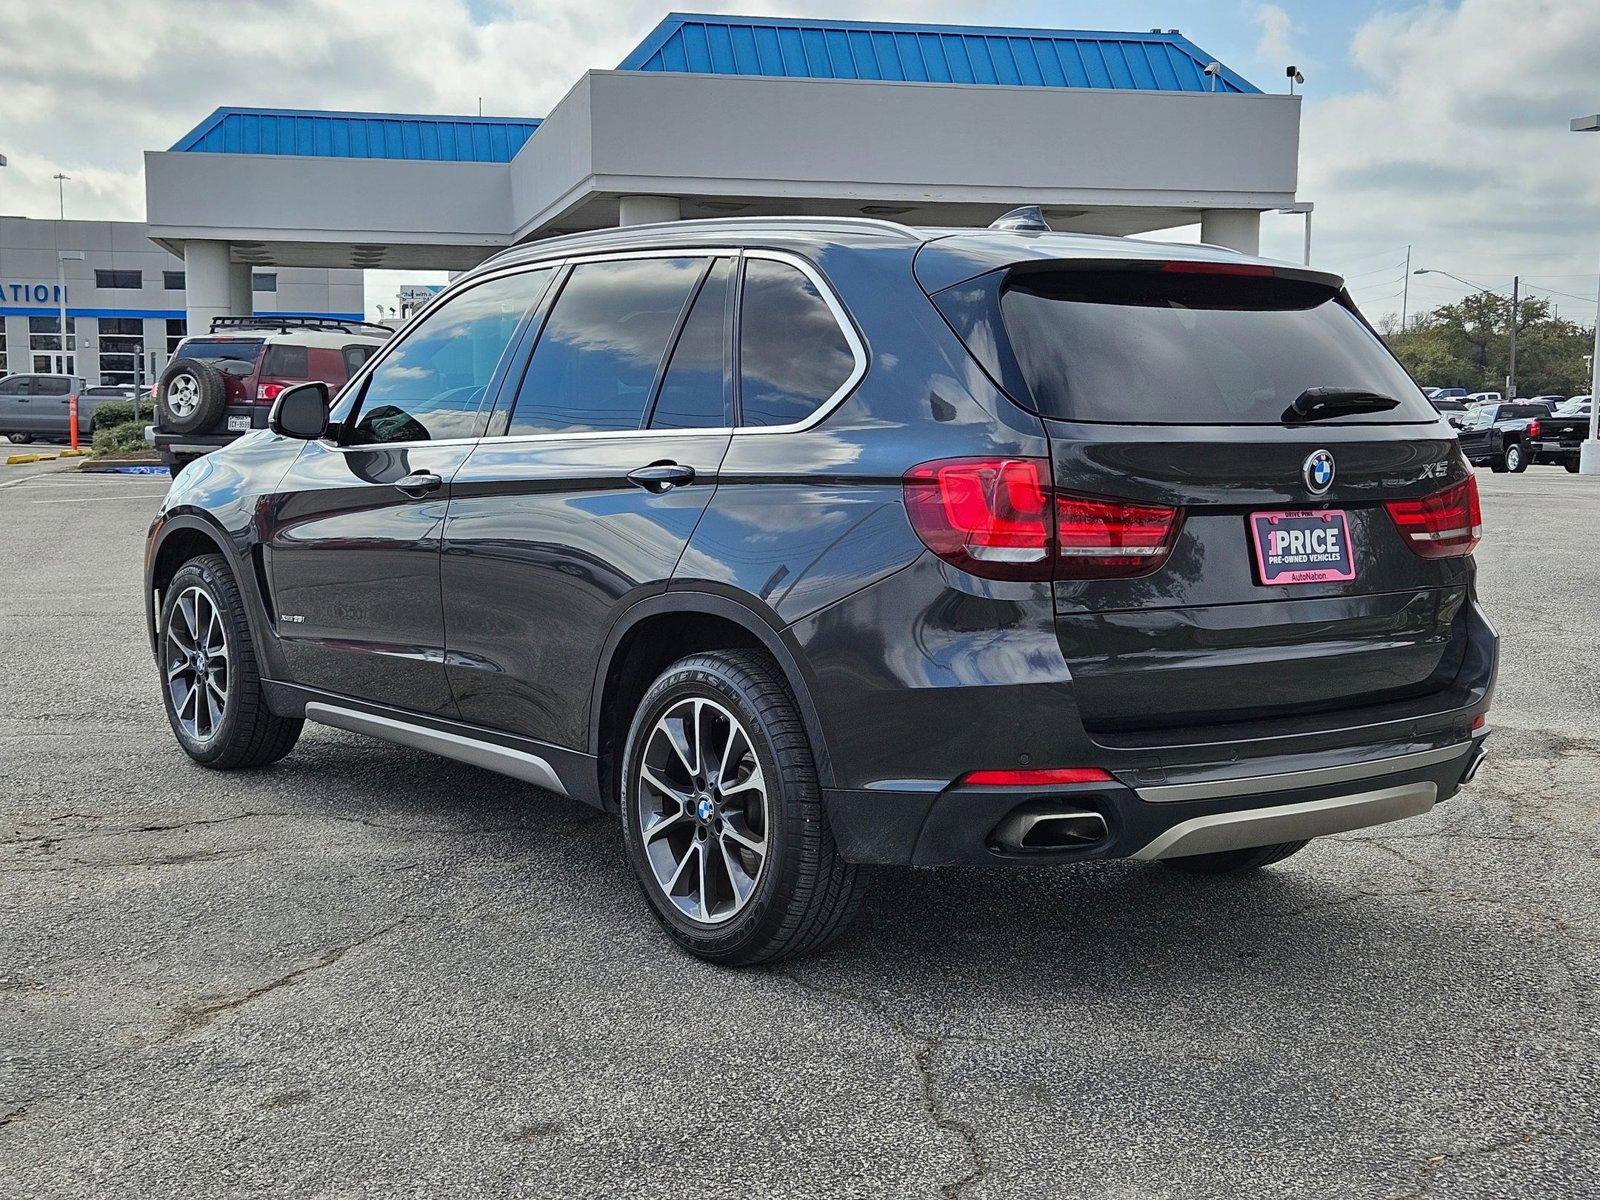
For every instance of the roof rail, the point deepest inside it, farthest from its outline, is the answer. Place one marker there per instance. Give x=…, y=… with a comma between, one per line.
x=285, y=323
x=621, y=233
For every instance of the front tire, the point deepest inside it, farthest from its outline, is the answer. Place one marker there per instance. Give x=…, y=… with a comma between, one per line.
x=1235, y=862
x=210, y=681
x=722, y=814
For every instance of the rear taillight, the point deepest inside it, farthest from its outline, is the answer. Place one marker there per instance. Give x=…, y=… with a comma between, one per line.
x=999, y=518
x=1447, y=524
x=1102, y=539
x=268, y=392
x=1533, y=428
x=988, y=516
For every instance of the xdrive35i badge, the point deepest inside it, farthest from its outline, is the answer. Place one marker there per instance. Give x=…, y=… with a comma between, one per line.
x=1318, y=472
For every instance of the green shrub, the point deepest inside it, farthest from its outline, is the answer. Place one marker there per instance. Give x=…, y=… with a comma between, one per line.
x=119, y=412
x=119, y=439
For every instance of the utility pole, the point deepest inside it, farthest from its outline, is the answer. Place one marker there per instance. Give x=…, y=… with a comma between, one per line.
x=1405, y=290
x=1516, y=312
x=61, y=193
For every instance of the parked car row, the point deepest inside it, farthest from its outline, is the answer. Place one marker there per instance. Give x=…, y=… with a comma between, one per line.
x=40, y=405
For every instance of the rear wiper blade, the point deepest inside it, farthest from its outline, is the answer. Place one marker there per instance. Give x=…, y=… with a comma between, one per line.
x=1315, y=403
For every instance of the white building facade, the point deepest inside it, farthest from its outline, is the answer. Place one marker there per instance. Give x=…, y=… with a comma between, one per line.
x=127, y=298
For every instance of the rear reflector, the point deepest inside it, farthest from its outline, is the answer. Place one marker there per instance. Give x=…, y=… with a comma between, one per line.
x=1479, y=721
x=1217, y=268
x=999, y=518
x=1447, y=524
x=1037, y=777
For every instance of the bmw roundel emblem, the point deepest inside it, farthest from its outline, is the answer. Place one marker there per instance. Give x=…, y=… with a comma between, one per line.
x=1318, y=472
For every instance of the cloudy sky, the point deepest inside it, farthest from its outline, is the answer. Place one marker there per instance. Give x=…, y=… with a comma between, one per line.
x=1439, y=125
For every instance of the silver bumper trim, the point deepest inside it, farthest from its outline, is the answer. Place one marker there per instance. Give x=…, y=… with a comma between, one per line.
x=1291, y=822
x=1255, y=785
x=517, y=763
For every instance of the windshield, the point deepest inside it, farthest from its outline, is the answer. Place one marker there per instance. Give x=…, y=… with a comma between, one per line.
x=1480, y=417
x=1153, y=347
x=1574, y=407
x=232, y=356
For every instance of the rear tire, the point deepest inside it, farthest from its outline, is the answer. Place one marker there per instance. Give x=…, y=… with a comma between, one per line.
x=210, y=681
x=1516, y=459
x=20, y=439
x=192, y=396
x=1571, y=465
x=718, y=766
x=1235, y=862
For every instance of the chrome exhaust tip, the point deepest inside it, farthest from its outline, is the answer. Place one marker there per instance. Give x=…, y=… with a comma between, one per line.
x=1471, y=773
x=1041, y=826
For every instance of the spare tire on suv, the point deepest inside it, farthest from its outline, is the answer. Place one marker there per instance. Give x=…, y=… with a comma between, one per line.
x=192, y=396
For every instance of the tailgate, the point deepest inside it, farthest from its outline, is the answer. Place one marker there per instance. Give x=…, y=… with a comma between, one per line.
x=1203, y=639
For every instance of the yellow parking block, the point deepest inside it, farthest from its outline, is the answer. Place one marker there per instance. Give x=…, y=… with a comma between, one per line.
x=72, y=454
x=16, y=460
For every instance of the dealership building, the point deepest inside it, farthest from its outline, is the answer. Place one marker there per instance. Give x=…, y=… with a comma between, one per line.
x=710, y=116
x=127, y=298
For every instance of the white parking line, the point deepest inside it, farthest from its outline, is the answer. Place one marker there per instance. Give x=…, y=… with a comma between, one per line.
x=95, y=499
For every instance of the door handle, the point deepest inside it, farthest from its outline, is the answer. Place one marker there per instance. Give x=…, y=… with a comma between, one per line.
x=419, y=483
x=661, y=477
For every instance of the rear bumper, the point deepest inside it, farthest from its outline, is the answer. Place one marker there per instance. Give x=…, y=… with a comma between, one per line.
x=1255, y=804
x=1556, y=451
x=187, y=445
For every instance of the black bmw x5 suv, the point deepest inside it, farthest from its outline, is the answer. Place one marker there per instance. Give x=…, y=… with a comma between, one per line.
x=803, y=544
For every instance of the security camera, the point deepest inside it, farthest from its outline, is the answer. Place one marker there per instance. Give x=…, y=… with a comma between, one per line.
x=1213, y=69
x=1294, y=74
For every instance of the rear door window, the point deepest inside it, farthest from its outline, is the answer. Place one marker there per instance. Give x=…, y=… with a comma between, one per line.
x=793, y=355
x=696, y=392
x=287, y=362
x=52, y=385
x=597, y=359
x=1157, y=347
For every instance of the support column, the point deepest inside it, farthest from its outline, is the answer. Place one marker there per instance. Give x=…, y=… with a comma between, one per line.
x=1236, y=228
x=648, y=210
x=208, y=284
x=240, y=301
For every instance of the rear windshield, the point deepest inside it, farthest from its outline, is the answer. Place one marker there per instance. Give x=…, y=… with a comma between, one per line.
x=233, y=356
x=1150, y=347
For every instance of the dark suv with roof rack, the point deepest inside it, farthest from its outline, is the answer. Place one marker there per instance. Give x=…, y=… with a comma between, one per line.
x=801, y=544
x=220, y=386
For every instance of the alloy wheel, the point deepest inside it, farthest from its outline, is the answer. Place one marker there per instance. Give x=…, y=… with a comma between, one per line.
x=183, y=395
x=701, y=800
x=196, y=663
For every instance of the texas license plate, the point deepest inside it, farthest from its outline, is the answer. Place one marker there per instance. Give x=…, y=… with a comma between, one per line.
x=1306, y=546
x=238, y=424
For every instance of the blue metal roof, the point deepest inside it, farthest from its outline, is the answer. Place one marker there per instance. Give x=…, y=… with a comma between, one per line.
x=359, y=135
x=806, y=49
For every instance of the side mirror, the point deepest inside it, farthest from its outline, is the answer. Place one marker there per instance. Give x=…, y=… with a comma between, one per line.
x=301, y=412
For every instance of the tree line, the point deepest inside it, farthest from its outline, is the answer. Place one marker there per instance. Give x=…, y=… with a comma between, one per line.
x=1468, y=344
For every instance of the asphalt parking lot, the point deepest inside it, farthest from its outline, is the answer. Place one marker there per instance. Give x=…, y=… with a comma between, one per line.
x=367, y=971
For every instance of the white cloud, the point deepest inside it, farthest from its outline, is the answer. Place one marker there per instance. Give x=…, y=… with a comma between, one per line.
x=1277, y=27
x=1460, y=145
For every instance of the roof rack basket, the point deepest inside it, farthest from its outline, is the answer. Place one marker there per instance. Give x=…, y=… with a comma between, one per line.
x=284, y=324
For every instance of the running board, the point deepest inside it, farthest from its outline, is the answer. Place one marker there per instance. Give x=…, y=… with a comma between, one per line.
x=519, y=764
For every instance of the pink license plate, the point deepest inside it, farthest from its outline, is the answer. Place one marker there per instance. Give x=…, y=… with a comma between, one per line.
x=1304, y=546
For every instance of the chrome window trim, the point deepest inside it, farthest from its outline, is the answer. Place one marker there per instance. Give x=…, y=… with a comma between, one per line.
x=841, y=316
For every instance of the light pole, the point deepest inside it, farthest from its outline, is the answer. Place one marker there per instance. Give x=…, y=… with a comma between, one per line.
x=1589, y=452
x=61, y=192
x=1516, y=314
x=62, y=258
x=1303, y=208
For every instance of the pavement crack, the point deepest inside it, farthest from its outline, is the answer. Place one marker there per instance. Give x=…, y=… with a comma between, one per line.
x=923, y=1049
x=1433, y=1162
x=202, y=1013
